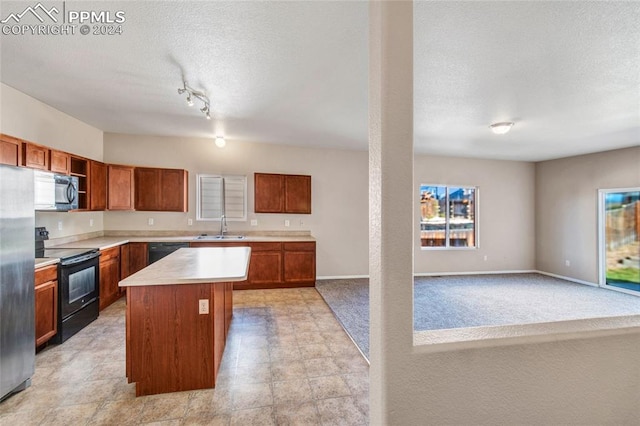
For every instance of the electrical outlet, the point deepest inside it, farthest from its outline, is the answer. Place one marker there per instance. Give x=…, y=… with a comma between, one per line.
x=301, y=222
x=59, y=225
x=190, y=222
x=90, y=222
x=203, y=306
x=567, y=263
x=486, y=257
x=287, y=223
x=150, y=221
x=254, y=222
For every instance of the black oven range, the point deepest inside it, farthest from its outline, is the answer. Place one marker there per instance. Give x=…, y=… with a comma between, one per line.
x=78, y=286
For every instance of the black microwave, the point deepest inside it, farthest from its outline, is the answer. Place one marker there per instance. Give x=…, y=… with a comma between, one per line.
x=53, y=192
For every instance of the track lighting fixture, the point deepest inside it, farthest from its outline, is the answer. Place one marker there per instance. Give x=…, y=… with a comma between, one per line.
x=192, y=93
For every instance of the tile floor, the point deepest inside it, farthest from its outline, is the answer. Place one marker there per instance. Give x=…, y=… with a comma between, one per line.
x=287, y=362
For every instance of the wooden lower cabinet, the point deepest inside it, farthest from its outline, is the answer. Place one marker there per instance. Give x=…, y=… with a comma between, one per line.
x=265, y=268
x=109, y=276
x=171, y=347
x=300, y=263
x=46, y=303
x=138, y=257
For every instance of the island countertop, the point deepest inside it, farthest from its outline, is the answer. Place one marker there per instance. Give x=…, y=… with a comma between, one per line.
x=194, y=266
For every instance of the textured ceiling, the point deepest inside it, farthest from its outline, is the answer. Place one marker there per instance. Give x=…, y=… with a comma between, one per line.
x=568, y=73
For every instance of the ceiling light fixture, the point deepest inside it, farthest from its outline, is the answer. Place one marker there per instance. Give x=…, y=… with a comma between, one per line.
x=192, y=93
x=501, y=128
x=220, y=142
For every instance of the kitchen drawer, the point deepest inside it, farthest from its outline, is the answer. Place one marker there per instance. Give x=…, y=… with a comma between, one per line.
x=300, y=246
x=109, y=253
x=266, y=246
x=48, y=273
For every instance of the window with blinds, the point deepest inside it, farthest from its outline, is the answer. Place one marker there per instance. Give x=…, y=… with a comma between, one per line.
x=217, y=195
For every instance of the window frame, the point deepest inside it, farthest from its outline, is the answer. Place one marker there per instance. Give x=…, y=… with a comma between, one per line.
x=476, y=221
x=199, y=216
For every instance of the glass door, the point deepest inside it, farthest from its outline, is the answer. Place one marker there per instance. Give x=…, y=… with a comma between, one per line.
x=619, y=217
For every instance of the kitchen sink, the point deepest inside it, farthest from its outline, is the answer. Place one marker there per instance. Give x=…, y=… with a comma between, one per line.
x=219, y=237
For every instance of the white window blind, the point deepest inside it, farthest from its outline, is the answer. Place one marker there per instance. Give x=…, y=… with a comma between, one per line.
x=217, y=194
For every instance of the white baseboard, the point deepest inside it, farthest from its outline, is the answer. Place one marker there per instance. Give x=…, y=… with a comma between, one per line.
x=433, y=274
x=341, y=277
x=437, y=274
x=573, y=280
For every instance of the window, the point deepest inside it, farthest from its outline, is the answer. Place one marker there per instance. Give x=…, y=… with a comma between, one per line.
x=211, y=204
x=620, y=238
x=448, y=216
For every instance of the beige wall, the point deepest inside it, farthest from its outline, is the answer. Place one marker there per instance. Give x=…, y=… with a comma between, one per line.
x=567, y=208
x=339, y=191
x=25, y=117
x=506, y=214
x=340, y=200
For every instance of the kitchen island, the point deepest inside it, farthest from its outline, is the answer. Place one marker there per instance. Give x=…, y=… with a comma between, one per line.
x=178, y=314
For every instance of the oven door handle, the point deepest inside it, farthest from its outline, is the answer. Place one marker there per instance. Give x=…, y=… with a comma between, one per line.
x=81, y=259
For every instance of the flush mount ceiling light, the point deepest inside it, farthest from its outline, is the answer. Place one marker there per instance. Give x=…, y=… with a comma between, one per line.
x=192, y=93
x=220, y=142
x=501, y=128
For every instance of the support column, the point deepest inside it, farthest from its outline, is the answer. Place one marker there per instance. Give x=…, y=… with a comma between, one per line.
x=391, y=208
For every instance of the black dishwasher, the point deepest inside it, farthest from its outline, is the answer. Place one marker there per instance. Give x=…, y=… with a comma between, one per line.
x=159, y=250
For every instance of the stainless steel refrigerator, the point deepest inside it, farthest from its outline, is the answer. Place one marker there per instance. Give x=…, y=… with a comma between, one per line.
x=17, y=304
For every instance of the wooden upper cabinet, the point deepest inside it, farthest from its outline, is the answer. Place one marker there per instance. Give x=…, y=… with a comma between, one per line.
x=173, y=190
x=147, y=188
x=274, y=193
x=268, y=193
x=120, y=187
x=35, y=156
x=80, y=169
x=297, y=194
x=59, y=162
x=161, y=189
x=10, y=150
x=97, y=185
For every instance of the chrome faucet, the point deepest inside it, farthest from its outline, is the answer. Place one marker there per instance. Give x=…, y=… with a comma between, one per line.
x=223, y=225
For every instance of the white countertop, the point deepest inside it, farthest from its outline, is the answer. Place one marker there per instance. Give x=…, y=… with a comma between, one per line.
x=103, y=243
x=195, y=266
x=41, y=262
